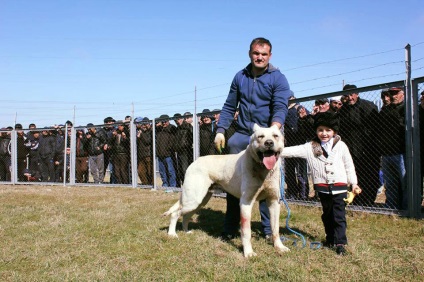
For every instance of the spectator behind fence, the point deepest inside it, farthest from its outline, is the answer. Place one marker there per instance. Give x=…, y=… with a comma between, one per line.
x=392, y=140
x=291, y=166
x=332, y=170
x=81, y=160
x=46, y=153
x=61, y=150
x=165, y=140
x=32, y=143
x=261, y=92
x=95, y=143
x=5, y=150
x=144, y=151
x=385, y=97
x=120, y=148
x=336, y=104
x=358, y=127
x=183, y=146
x=321, y=105
x=108, y=128
x=206, y=134
x=22, y=152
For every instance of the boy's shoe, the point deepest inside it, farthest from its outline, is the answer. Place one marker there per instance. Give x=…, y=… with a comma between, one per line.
x=327, y=244
x=341, y=250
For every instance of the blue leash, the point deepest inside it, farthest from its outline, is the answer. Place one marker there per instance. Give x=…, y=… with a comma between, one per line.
x=313, y=245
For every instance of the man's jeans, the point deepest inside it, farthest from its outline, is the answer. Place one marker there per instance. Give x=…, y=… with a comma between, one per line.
x=167, y=172
x=394, y=175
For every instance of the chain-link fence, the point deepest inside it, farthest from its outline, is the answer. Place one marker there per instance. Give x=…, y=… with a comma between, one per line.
x=379, y=128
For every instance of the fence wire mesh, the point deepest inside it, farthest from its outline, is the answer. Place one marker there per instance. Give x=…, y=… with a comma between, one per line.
x=150, y=153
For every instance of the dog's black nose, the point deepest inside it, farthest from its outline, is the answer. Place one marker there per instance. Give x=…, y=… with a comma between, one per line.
x=269, y=143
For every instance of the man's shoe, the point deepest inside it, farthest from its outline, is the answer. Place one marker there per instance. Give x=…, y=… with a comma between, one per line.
x=341, y=250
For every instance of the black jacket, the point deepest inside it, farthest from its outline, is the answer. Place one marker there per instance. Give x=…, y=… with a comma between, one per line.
x=165, y=139
x=95, y=143
x=47, y=147
x=358, y=126
x=206, y=136
x=144, y=143
x=392, y=130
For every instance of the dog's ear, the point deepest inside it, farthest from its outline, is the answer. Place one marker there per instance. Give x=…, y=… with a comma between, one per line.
x=275, y=127
x=255, y=127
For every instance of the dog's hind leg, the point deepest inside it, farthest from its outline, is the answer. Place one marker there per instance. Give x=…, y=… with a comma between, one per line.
x=188, y=215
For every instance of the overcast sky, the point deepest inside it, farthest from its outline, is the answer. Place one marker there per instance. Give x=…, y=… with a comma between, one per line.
x=86, y=60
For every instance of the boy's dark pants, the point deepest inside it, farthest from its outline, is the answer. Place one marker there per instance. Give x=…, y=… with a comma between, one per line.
x=334, y=217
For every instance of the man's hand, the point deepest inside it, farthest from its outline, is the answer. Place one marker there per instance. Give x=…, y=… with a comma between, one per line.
x=219, y=142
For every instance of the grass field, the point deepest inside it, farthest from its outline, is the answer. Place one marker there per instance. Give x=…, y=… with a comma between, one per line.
x=53, y=233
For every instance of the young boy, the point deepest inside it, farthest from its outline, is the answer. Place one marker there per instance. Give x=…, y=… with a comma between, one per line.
x=332, y=170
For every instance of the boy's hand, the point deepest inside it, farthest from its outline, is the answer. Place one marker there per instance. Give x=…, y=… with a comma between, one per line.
x=356, y=189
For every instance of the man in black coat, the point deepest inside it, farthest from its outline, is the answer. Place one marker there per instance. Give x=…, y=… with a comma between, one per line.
x=358, y=124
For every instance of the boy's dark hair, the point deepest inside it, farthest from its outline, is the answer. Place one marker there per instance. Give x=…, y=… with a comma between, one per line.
x=261, y=41
x=328, y=119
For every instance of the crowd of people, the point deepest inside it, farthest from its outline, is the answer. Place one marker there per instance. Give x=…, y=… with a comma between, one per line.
x=375, y=138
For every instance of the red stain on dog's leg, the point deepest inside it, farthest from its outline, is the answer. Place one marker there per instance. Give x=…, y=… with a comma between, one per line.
x=245, y=223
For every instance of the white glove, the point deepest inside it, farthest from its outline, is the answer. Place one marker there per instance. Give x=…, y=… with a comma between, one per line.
x=219, y=142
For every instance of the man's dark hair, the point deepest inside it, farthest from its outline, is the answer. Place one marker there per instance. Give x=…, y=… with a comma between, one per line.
x=261, y=41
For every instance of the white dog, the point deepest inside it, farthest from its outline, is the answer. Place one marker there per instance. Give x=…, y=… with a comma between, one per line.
x=253, y=174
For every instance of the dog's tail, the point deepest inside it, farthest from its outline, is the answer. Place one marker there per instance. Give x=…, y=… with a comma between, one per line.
x=172, y=209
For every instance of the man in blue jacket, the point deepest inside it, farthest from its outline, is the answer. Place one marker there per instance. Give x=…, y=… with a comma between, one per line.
x=261, y=92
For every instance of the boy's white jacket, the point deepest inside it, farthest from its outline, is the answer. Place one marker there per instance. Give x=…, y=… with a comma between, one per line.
x=337, y=168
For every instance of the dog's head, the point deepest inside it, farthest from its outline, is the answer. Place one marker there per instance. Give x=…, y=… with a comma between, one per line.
x=267, y=143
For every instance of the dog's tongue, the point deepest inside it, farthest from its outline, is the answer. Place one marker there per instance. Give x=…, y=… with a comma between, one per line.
x=269, y=160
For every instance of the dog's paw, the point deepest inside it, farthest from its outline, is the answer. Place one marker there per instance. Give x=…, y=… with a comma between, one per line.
x=282, y=248
x=250, y=254
x=172, y=234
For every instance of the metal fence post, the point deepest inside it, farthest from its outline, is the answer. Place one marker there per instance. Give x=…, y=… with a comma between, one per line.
x=133, y=149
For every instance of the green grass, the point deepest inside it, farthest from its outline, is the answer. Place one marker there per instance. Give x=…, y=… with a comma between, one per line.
x=51, y=233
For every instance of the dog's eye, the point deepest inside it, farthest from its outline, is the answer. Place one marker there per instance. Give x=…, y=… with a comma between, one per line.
x=275, y=136
x=261, y=136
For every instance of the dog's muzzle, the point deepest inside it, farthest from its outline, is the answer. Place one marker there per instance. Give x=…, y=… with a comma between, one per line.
x=269, y=157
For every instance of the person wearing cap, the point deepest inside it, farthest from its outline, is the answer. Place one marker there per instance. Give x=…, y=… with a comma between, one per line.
x=332, y=170
x=261, y=92
x=107, y=130
x=321, y=105
x=145, y=152
x=358, y=126
x=5, y=150
x=392, y=148
x=385, y=97
x=95, y=143
x=22, y=151
x=81, y=159
x=46, y=153
x=183, y=146
x=295, y=188
x=206, y=134
x=165, y=140
x=336, y=103
x=120, y=148
x=188, y=118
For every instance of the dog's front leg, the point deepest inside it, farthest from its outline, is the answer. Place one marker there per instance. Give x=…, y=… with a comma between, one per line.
x=274, y=213
x=246, y=232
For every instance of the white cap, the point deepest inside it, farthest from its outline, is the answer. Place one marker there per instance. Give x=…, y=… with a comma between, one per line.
x=336, y=98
